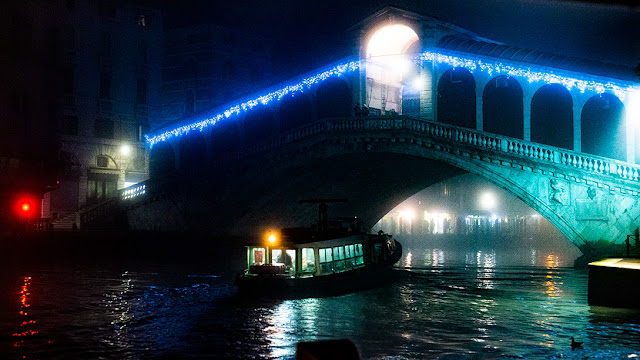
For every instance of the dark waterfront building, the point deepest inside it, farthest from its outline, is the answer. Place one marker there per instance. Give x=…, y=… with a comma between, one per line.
x=81, y=82
x=207, y=65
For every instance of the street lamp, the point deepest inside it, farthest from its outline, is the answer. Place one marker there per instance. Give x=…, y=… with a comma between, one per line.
x=488, y=201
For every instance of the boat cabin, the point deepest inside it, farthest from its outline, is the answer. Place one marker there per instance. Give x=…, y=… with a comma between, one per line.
x=341, y=246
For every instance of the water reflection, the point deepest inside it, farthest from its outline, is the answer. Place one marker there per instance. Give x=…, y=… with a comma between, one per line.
x=552, y=285
x=479, y=306
x=27, y=324
x=485, y=269
x=280, y=329
x=119, y=311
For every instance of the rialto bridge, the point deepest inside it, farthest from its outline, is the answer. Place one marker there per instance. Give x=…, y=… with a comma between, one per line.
x=559, y=133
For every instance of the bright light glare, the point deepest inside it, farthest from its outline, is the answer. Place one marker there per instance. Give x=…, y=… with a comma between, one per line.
x=25, y=207
x=407, y=214
x=633, y=109
x=272, y=239
x=487, y=201
x=417, y=83
x=125, y=150
x=391, y=40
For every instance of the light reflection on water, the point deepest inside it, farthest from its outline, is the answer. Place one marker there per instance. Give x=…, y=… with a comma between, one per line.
x=475, y=304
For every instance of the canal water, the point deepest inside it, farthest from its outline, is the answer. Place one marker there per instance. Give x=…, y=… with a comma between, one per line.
x=444, y=304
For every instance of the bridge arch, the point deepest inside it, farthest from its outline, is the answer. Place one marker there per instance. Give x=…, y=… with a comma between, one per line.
x=603, y=127
x=295, y=109
x=457, y=98
x=193, y=155
x=502, y=107
x=162, y=160
x=552, y=116
x=225, y=138
x=259, y=124
x=334, y=98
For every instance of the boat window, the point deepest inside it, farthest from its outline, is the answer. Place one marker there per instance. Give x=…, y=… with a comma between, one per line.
x=308, y=261
x=290, y=260
x=359, y=255
x=276, y=256
x=326, y=260
x=349, y=256
x=338, y=256
x=256, y=256
x=348, y=250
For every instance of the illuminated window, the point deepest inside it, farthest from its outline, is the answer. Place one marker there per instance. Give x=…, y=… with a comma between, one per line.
x=276, y=256
x=326, y=260
x=257, y=256
x=359, y=255
x=308, y=261
x=338, y=260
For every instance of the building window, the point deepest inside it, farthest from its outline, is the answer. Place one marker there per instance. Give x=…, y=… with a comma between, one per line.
x=190, y=102
x=67, y=80
x=107, y=8
x=102, y=161
x=227, y=70
x=104, y=128
x=141, y=97
x=70, y=125
x=142, y=51
x=105, y=85
x=106, y=43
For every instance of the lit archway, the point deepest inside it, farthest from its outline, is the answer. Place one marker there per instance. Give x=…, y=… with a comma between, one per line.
x=193, y=155
x=603, y=127
x=457, y=98
x=295, y=110
x=552, y=116
x=162, y=161
x=502, y=107
x=390, y=74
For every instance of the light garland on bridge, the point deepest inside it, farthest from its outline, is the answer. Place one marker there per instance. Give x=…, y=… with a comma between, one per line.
x=456, y=61
x=248, y=105
x=525, y=72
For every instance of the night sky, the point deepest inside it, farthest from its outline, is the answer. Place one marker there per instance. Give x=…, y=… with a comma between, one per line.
x=307, y=35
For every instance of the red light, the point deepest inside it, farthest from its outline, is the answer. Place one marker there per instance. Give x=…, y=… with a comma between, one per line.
x=26, y=207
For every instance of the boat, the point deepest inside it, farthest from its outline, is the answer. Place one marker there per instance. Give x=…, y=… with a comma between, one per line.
x=332, y=257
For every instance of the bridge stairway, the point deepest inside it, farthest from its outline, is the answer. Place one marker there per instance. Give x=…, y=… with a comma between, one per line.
x=64, y=223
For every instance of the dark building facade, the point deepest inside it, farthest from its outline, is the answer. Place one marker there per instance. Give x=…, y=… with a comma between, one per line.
x=207, y=65
x=80, y=86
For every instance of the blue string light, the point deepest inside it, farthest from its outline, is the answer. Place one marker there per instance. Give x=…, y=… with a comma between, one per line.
x=547, y=76
x=484, y=65
x=248, y=105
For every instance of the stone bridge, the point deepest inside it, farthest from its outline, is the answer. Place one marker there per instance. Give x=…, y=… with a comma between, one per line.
x=377, y=162
x=559, y=133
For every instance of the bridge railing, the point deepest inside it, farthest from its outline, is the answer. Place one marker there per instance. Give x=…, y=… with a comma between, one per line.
x=470, y=137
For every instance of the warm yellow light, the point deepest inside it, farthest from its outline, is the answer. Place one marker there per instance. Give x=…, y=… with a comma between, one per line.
x=618, y=263
x=272, y=238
